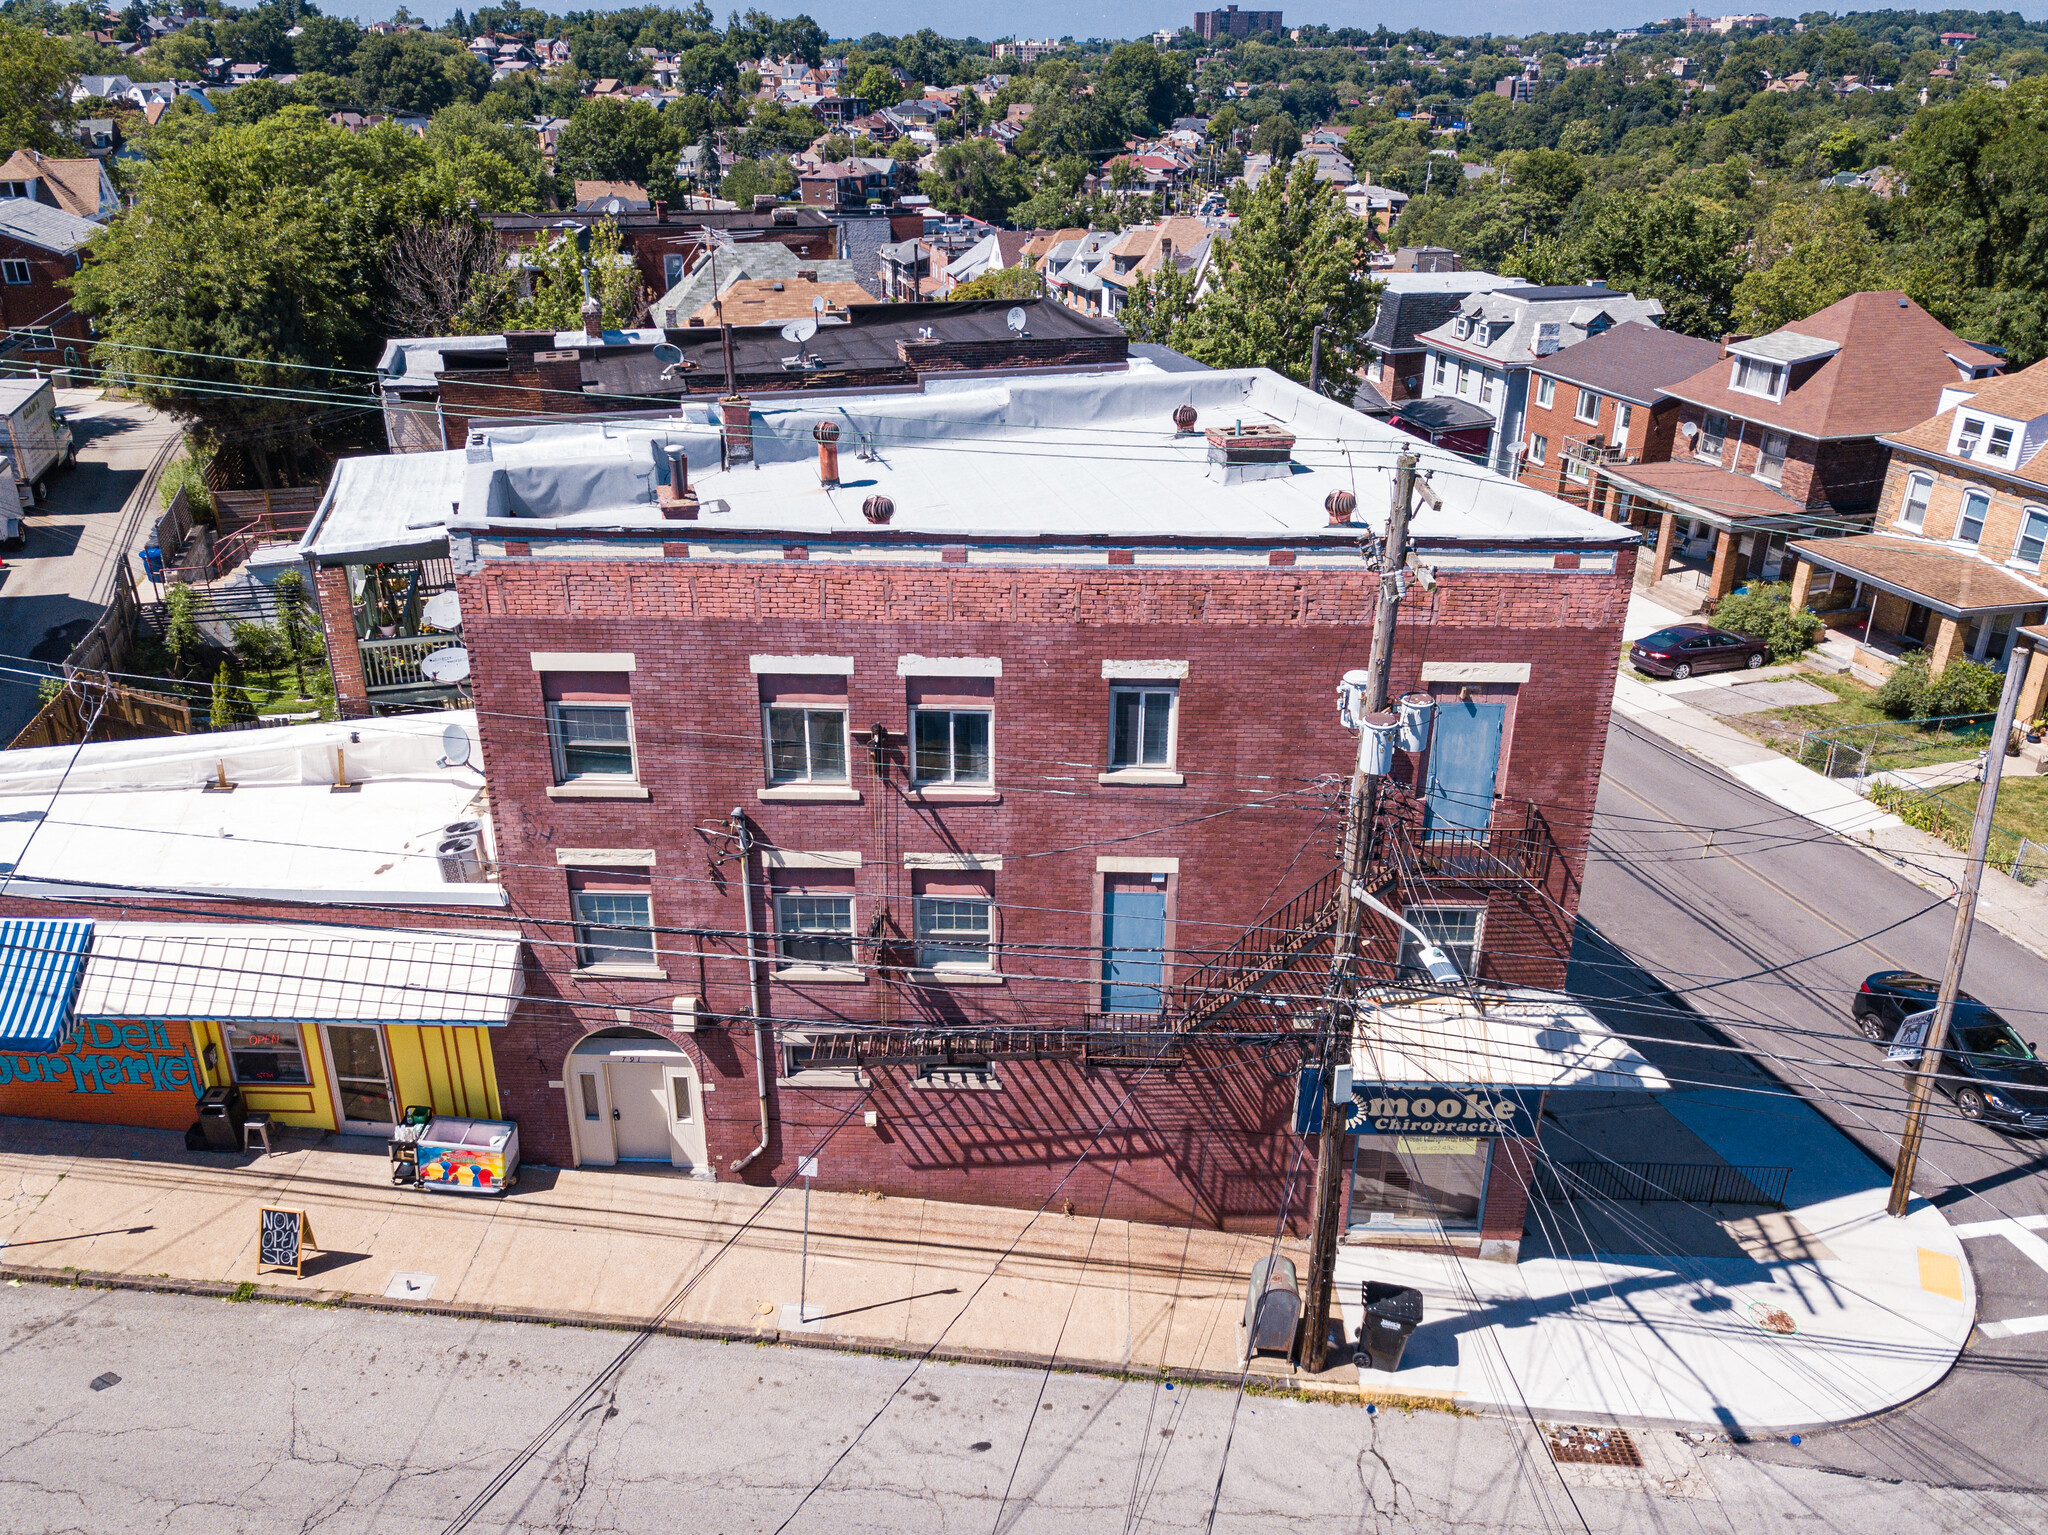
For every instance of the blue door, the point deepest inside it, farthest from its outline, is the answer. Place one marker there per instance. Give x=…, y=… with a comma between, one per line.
x=1133, y=950
x=1464, y=758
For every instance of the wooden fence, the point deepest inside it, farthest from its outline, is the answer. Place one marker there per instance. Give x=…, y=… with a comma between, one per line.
x=124, y=714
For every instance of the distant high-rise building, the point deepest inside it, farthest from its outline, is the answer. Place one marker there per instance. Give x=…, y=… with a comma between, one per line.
x=1231, y=22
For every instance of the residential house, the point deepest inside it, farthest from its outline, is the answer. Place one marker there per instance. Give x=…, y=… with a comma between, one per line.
x=773, y=300
x=1953, y=561
x=40, y=248
x=1426, y=258
x=1484, y=352
x=612, y=197
x=1177, y=243
x=1380, y=205
x=856, y=181
x=999, y=250
x=1074, y=273
x=107, y=87
x=1044, y=241
x=81, y=188
x=897, y=963
x=700, y=292
x=667, y=243
x=1604, y=401
x=1781, y=437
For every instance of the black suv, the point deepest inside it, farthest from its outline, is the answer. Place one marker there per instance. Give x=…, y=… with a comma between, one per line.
x=1993, y=1075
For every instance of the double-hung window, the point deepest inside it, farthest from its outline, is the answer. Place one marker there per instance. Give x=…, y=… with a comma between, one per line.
x=1539, y=447
x=1713, y=435
x=1588, y=408
x=614, y=919
x=590, y=726
x=1770, y=463
x=1970, y=520
x=1454, y=929
x=2001, y=442
x=1546, y=392
x=1141, y=727
x=954, y=927
x=1443, y=369
x=814, y=929
x=2033, y=537
x=1970, y=436
x=952, y=746
x=1913, y=508
x=1754, y=376
x=16, y=273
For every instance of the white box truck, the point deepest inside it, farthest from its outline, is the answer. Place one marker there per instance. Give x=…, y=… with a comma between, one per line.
x=38, y=440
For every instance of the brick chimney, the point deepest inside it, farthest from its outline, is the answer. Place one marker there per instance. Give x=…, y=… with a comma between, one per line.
x=736, y=415
x=660, y=211
x=593, y=320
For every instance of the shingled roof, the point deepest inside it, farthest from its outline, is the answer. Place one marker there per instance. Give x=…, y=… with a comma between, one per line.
x=1892, y=361
x=1633, y=361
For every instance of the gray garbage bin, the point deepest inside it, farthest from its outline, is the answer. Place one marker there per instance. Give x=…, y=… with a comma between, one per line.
x=220, y=1118
x=1392, y=1313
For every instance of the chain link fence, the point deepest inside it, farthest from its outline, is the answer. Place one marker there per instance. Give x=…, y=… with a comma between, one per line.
x=1856, y=751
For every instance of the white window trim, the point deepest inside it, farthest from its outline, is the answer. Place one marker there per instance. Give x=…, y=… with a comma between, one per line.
x=793, y=858
x=563, y=780
x=28, y=272
x=2015, y=560
x=1149, y=772
x=604, y=857
x=1409, y=914
x=1516, y=672
x=1107, y=865
x=581, y=661
x=946, y=786
x=1783, y=459
x=808, y=787
x=949, y=666
x=1906, y=500
x=1983, y=523
x=984, y=967
x=804, y=970
x=1539, y=448
x=969, y=862
x=1546, y=392
x=1579, y=407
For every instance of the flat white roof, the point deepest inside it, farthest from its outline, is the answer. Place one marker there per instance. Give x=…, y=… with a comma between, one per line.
x=1520, y=1038
x=1068, y=457
x=136, y=815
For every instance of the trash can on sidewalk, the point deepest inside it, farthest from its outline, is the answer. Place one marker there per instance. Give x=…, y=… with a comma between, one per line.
x=220, y=1118
x=1392, y=1313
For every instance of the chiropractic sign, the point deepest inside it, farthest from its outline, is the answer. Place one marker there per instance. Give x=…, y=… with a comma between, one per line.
x=1423, y=1108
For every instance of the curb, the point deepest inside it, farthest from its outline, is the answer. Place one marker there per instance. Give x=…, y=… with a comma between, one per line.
x=834, y=1343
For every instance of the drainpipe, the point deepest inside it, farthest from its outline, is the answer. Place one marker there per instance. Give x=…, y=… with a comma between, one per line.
x=762, y=1042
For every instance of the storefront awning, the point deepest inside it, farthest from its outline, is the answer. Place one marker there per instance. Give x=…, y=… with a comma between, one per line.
x=40, y=960
x=232, y=972
x=1522, y=1038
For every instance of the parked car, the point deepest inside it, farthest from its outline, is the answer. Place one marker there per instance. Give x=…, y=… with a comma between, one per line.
x=1683, y=649
x=1993, y=1075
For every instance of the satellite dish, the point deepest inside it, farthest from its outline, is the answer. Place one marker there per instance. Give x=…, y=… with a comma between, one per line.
x=446, y=666
x=667, y=354
x=442, y=611
x=799, y=331
x=818, y=304
x=1015, y=320
x=454, y=746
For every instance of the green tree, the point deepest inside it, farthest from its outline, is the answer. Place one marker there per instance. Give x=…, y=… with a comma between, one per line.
x=1676, y=249
x=976, y=177
x=1011, y=282
x=1809, y=254
x=878, y=88
x=1157, y=305
x=1293, y=263
x=222, y=714
x=1763, y=612
x=610, y=140
x=1152, y=84
x=559, y=268
x=1277, y=136
x=182, y=636
x=295, y=625
x=36, y=76
x=417, y=72
x=326, y=45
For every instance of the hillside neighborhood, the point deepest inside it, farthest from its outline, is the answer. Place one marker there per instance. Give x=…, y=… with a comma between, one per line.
x=1033, y=721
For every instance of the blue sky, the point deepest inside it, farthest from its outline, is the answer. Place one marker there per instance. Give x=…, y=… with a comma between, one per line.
x=1089, y=18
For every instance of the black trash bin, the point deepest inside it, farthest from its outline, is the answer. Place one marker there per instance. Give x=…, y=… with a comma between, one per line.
x=220, y=1118
x=1392, y=1313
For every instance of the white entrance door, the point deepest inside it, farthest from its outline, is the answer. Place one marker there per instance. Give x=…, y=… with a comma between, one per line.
x=362, y=1078
x=686, y=1119
x=640, y=1111
x=590, y=1111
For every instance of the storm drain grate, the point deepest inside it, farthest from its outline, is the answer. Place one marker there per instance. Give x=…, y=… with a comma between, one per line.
x=1593, y=1447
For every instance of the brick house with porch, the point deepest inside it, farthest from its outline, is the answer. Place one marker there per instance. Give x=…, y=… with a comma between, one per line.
x=41, y=247
x=970, y=815
x=1953, y=561
x=1780, y=437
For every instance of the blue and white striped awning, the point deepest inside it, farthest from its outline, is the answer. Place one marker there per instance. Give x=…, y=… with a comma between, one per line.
x=40, y=963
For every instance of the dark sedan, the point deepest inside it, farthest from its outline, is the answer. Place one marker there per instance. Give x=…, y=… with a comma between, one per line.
x=1993, y=1075
x=1683, y=649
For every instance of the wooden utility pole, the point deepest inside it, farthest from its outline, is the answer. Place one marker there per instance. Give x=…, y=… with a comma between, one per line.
x=1921, y=1086
x=1358, y=832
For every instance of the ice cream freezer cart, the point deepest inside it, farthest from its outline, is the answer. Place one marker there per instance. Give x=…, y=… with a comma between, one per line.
x=468, y=1156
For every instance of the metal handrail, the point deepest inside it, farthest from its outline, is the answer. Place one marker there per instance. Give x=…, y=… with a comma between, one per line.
x=1699, y=1183
x=395, y=663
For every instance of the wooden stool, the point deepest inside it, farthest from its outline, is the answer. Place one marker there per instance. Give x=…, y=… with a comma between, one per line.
x=255, y=1126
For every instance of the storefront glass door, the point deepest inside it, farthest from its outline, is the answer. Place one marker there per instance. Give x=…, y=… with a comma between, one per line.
x=362, y=1078
x=1419, y=1182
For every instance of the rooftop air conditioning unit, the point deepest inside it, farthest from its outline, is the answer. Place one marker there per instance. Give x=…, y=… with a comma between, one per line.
x=460, y=853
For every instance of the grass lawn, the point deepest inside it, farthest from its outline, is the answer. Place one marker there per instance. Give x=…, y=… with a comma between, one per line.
x=1897, y=744
x=2022, y=812
x=257, y=689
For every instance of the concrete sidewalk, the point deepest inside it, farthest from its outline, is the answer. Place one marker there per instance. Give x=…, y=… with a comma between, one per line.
x=611, y=1248
x=2016, y=910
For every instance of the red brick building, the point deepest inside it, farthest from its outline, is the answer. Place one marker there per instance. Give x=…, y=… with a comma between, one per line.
x=941, y=779
x=41, y=247
x=1779, y=437
x=666, y=242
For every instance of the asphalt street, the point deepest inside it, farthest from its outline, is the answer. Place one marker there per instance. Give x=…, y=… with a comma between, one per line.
x=55, y=587
x=1695, y=879
x=126, y=1412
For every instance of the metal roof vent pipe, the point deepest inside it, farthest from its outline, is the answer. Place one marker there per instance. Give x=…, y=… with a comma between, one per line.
x=675, y=497
x=1340, y=505
x=827, y=435
x=878, y=509
x=1183, y=420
